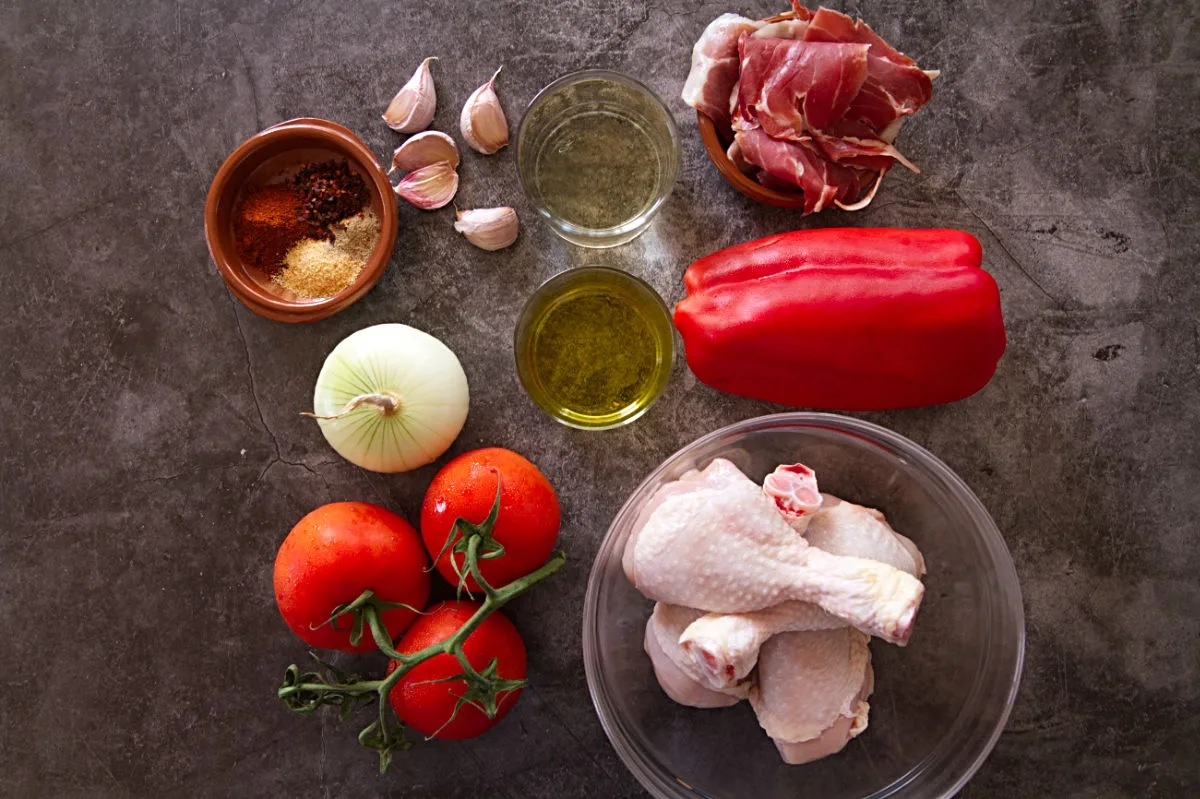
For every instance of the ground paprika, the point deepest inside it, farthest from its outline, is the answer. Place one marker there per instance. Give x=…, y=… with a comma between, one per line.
x=267, y=224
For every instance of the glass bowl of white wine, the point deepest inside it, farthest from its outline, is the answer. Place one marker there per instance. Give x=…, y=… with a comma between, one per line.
x=598, y=154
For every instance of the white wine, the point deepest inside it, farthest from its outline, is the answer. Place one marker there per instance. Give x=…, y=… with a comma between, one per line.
x=598, y=154
x=597, y=170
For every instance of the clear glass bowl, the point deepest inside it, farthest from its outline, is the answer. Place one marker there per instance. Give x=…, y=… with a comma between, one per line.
x=939, y=704
x=597, y=154
x=603, y=281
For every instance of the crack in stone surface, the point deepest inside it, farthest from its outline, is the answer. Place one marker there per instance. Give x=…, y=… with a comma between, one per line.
x=253, y=387
x=1007, y=252
x=278, y=458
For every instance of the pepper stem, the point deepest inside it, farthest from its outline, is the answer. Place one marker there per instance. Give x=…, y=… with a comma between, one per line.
x=386, y=403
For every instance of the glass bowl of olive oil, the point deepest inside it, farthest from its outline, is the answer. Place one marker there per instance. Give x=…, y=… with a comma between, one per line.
x=594, y=347
x=598, y=154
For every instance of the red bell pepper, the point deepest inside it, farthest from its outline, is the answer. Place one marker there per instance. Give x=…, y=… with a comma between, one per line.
x=845, y=319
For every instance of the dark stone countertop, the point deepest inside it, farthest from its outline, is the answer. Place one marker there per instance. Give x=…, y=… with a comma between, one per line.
x=152, y=458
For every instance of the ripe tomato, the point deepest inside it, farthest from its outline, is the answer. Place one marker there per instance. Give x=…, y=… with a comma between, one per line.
x=527, y=526
x=334, y=554
x=425, y=705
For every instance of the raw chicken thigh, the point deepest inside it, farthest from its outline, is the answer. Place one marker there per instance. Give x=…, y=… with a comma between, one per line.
x=843, y=528
x=719, y=544
x=675, y=669
x=812, y=689
x=802, y=569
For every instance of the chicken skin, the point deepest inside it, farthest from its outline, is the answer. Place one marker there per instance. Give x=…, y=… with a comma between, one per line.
x=812, y=689
x=719, y=544
x=726, y=646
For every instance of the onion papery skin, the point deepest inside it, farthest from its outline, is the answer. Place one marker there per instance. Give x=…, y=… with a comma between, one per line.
x=419, y=370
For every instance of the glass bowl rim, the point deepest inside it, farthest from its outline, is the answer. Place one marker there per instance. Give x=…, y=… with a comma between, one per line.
x=913, y=454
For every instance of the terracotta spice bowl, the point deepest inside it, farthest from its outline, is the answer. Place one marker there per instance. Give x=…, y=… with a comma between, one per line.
x=258, y=160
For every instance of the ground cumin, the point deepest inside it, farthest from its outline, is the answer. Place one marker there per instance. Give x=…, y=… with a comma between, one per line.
x=316, y=268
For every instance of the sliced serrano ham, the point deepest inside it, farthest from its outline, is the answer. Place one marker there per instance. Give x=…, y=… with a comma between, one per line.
x=895, y=85
x=891, y=91
x=827, y=25
x=715, y=66
x=802, y=164
x=870, y=152
x=788, y=87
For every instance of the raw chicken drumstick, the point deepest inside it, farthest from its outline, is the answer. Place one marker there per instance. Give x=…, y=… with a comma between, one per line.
x=726, y=646
x=675, y=669
x=793, y=489
x=719, y=544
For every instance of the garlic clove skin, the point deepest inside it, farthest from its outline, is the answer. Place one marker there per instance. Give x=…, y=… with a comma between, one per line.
x=413, y=106
x=430, y=186
x=424, y=149
x=482, y=121
x=488, y=228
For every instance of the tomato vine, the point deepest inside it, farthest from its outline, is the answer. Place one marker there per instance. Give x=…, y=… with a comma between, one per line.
x=306, y=692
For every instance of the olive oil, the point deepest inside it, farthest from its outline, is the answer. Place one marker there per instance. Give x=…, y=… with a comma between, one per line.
x=594, y=347
x=593, y=354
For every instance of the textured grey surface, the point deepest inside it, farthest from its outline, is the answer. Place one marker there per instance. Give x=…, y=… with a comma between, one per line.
x=151, y=458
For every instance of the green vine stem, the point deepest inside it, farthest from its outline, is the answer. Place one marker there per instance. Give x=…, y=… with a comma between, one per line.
x=305, y=692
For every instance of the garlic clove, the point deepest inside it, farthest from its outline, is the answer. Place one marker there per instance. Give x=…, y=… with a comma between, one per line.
x=488, y=228
x=482, y=120
x=424, y=149
x=413, y=106
x=430, y=186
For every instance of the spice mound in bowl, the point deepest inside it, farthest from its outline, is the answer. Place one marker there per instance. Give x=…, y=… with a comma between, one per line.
x=317, y=267
x=312, y=234
x=301, y=221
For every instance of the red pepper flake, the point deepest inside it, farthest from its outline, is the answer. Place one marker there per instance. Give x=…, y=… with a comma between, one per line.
x=272, y=219
x=329, y=192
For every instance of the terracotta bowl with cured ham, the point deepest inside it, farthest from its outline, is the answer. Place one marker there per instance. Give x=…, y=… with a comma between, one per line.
x=801, y=110
x=747, y=185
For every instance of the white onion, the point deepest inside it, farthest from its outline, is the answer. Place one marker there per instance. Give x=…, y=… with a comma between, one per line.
x=391, y=398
